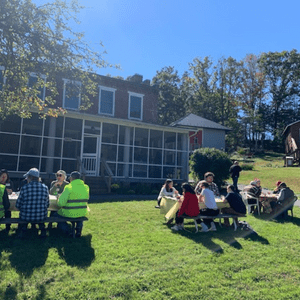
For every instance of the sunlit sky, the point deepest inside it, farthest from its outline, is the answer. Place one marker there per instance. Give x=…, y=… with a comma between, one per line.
x=145, y=36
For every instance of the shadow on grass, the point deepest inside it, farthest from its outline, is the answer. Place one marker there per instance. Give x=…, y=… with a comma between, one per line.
x=226, y=235
x=31, y=253
x=122, y=198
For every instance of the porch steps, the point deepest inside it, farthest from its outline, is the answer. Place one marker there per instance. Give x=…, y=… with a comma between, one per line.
x=97, y=185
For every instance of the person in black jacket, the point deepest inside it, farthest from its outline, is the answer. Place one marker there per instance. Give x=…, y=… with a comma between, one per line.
x=234, y=171
x=237, y=206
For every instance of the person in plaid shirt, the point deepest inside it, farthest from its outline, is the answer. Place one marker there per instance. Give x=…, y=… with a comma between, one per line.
x=209, y=178
x=33, y=202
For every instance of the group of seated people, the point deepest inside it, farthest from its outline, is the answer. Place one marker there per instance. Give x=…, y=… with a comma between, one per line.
x=205, y=192
x=33, y=200
x=281, y=197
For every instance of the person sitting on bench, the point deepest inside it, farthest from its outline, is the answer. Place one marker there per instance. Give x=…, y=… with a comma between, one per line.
x=73, y=203
x=4, y=203
x=167, y=190
x=188, y=208
x=237, y=206
x=208, y=197
x=33, y=202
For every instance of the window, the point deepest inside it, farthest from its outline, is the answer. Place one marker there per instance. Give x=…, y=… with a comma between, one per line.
x=37, y=82
x=71, y=95
x=106, y=101
x=135, y=106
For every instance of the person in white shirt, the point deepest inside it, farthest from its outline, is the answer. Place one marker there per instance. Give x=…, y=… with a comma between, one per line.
x=167, y=190
x=211, y=209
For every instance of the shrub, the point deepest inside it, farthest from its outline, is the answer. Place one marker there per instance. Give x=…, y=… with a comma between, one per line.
x=210, y=160
x=114, y=187
x=154, y=192
x=131, y=192
x=247, y=167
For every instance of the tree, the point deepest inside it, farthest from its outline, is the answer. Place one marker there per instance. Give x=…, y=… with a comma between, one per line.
x=40, y=39
x=170, y=103
x=282, y=72
x=253, y=96
x=210, y=160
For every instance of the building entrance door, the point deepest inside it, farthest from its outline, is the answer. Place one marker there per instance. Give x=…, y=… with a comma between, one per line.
x=90, y=155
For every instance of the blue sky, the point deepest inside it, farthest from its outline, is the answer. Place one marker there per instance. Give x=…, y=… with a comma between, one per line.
x=145, y=36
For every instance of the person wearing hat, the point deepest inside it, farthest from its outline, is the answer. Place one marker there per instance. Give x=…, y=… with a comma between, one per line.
x=276, y=190
x=33, y=202
x=57, y=186
x=209, y=178
x=73, y=202
x=284, y=199
x=234, y=171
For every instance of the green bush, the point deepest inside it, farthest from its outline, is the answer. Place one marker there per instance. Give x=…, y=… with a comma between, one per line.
x=247, y=167
x=114, y=187
x=131, y=192
x=154, y=192
x=210, y=160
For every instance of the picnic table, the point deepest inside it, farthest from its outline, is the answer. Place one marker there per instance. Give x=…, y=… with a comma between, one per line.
x=169, y=206
x=14, y=196
x=265, y=201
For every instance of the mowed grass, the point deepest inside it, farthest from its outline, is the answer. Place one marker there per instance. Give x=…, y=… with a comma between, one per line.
x=269, y=169
x=128, y=252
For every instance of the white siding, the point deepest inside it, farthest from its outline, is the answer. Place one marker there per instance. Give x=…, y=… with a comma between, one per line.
x=213, y=139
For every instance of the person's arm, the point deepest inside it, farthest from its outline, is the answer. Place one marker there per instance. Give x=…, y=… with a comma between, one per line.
x=280, y=196
x=20, y=199
x=161, y=193
x=52, y=190
x=6, y=203
x=63, y=198
x=216, y=190
x=184, y=204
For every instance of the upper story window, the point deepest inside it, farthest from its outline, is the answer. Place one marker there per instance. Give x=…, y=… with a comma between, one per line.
x=71, y=94
x=106, y=100
x=135, y=110
x=37, y=81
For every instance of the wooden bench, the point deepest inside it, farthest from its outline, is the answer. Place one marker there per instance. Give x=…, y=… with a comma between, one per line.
x=46, y=220
x=219, y=216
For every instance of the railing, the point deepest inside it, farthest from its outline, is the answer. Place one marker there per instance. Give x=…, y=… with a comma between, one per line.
x=106, y=173
x=89, y=163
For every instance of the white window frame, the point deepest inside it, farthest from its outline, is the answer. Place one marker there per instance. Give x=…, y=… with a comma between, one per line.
x=104, y=88
x=36, y=75
x=68, y=81
x=129, y=105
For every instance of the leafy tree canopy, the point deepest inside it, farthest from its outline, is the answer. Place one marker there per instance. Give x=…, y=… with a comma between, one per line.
x=40, y=39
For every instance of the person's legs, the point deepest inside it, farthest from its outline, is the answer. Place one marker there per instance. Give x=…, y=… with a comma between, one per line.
x=7, y=214
x=43, y=229
x=235, y=182
x=63, y=226
x=22, y=230
x=78, y=228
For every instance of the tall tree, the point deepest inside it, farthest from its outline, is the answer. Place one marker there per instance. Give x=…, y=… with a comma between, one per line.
x=171, y=105
x=253, y=96
x=40, y=39
x=282, y=71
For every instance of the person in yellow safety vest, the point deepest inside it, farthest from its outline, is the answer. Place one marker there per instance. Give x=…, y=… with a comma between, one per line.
x=4, y=202
x=73, y=202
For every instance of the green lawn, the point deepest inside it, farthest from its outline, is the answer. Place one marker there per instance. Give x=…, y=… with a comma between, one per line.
x=128, y=252
x=269, y=169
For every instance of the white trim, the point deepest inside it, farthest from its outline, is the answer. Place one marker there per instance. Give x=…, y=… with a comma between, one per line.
x=75, y=82
x=101, y=87
x=129, y=104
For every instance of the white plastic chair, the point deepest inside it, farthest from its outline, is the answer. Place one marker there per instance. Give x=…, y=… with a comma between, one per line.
x=245, y=198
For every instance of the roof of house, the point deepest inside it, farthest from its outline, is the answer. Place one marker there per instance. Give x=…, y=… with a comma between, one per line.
x=192, y=120
x=285, y=129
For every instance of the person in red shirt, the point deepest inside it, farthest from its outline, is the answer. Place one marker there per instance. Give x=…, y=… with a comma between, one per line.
x=189, y=206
